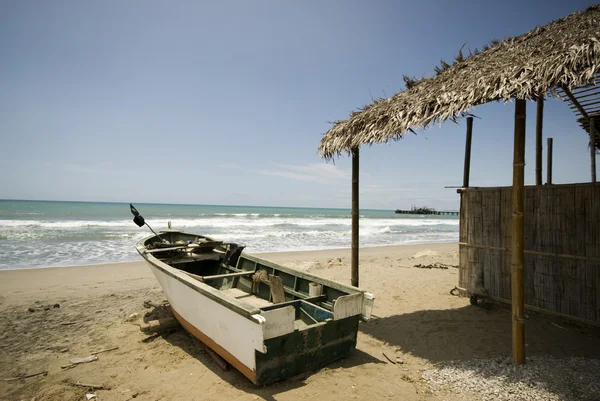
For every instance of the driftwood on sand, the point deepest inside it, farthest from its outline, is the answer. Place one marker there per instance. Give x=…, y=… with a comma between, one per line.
x=37, y=308
x=436, y=265
x=77, y=361
x=388, y=358
x=89, y=386
x=104, y=350
x=159, y=325
x=10, y=379
x=152, y=304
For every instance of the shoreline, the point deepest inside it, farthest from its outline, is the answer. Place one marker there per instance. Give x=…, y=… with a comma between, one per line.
x=68, y=281
x=261, y=254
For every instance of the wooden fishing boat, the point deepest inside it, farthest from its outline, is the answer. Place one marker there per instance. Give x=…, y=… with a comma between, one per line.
x=270, y=322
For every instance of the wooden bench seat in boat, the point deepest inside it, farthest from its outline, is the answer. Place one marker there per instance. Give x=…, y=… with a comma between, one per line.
x=217, y=276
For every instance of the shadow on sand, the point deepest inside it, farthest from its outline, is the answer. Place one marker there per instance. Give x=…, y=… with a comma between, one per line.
x=180, y=338
x=475, y=332
x=472, y=332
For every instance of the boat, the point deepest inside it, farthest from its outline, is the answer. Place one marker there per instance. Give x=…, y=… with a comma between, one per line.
x=269, y=321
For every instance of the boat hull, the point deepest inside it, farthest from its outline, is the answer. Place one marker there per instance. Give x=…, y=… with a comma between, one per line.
x=229, y=334
x=270, y=342
x=307, y=350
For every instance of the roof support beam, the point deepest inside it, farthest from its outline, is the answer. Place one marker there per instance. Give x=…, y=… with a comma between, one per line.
x=574, y=101
x=589, y=108
x=539, y=122
x=518, y=235
x=355, y=216
x=589, y=102
x=592, y=95
x=585, y=89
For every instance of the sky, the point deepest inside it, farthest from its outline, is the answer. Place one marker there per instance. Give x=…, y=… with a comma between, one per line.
x=226, y=102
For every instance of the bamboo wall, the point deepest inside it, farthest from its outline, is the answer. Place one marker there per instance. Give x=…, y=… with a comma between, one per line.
x=562, y=246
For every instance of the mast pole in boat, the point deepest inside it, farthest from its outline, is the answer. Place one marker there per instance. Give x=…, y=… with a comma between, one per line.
x=139, y=220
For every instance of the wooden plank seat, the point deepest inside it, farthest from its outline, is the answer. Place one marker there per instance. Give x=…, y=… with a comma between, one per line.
x=218, y=276
x=186, y=258
x=193, y=247
x=228, y=275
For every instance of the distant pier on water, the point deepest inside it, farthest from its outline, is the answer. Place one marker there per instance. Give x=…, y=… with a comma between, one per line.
x=427, y=210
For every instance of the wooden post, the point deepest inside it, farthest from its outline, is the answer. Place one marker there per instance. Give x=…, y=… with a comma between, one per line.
x=538, y=140
x=468, y=152
x=593, y=147
x=518, y=235
x=549, y=162
x=355, y=215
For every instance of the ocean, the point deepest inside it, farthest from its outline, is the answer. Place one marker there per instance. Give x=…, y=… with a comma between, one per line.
x=53, y=233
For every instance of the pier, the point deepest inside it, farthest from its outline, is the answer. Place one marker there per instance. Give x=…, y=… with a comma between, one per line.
x=428, y=211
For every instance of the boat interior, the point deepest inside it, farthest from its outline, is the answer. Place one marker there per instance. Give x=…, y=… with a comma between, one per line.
x=251, y=280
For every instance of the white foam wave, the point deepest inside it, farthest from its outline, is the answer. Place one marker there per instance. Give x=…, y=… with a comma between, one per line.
x=230, y=222
x=31, y=242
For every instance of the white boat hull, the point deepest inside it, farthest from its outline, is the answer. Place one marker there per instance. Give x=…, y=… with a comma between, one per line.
x=228, y=333
x=237, y=318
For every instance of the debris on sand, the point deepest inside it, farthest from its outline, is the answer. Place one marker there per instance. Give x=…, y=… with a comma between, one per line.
x=38, y=308
x=436, y=265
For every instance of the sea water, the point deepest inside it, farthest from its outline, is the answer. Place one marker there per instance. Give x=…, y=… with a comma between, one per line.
x=52, y=233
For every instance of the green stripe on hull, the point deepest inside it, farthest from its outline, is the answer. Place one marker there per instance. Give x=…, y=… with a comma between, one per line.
x=306, y=350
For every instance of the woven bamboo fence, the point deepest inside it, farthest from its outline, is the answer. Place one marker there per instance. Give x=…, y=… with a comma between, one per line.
x=562, y=247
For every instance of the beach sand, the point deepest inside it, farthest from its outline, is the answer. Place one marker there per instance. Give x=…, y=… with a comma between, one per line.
x=416, y=320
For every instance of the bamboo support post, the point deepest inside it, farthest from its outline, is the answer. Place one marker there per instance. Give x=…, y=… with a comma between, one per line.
x=355, y=215
x=518, y=254
x=549, y=162
x=593, y=147
x=538, y=140
x=468, y=152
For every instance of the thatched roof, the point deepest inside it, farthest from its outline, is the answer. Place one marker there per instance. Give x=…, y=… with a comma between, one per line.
x=564, y=52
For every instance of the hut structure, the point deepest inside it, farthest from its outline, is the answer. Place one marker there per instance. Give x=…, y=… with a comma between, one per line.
x=535, y=246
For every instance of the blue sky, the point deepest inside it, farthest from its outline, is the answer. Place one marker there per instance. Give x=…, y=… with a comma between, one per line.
x=226, y=102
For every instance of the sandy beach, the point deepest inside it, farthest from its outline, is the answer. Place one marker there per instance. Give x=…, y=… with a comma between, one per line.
x=416, y=322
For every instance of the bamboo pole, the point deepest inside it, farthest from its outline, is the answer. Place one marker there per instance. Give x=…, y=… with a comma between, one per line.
x=593, y=147
x=468, y=152
x=549, y=162
x=518, y=255
x=538, y=140
x=355, y=215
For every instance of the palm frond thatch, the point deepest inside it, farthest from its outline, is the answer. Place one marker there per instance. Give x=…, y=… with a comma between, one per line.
x=564, y=52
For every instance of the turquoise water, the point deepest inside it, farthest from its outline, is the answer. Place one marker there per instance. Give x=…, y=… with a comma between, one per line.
x=48, y=233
